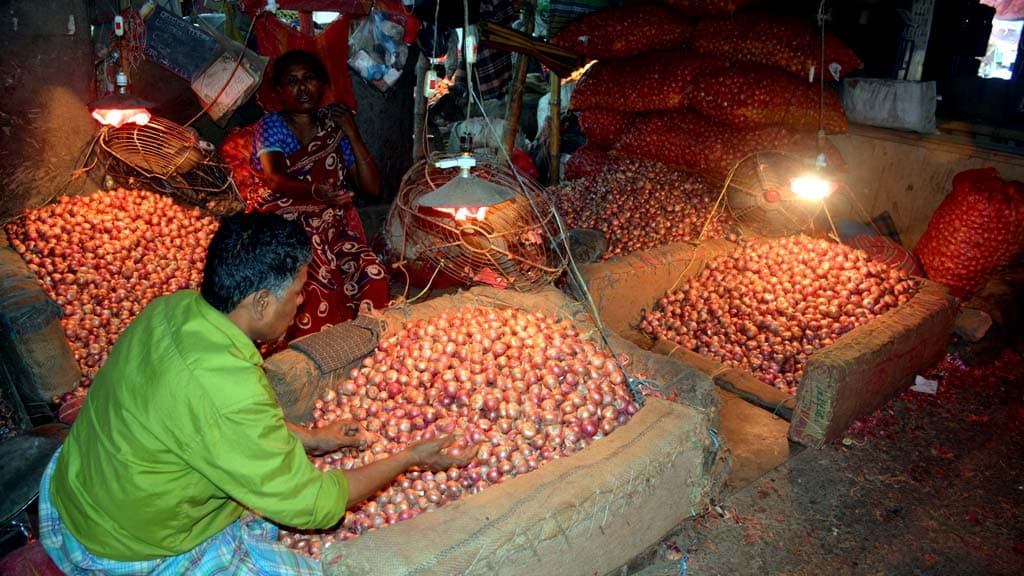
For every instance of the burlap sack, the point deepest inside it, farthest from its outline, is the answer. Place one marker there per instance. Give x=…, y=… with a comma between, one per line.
x=34, y=353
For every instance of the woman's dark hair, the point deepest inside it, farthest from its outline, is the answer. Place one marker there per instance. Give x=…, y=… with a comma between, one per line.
x=292, y=57
x=252, y=252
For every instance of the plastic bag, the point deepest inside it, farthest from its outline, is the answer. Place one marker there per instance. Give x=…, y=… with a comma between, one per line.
x=379, y=47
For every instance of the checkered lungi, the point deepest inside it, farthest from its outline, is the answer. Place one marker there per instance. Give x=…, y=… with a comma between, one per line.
x=247, y=546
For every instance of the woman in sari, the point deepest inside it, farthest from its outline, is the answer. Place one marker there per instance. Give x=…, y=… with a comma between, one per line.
x=306, y=159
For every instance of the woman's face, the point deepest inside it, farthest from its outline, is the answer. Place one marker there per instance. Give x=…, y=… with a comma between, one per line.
x=300, y=90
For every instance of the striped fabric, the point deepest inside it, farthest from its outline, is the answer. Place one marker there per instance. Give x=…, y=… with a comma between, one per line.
x=246, y=547
x=562, y=12
x=493, y=70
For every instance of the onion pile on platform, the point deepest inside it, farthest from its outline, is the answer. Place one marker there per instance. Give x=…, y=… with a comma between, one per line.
x=104, y=256
x=525, y=387
x=640, y=204
x=769, y=305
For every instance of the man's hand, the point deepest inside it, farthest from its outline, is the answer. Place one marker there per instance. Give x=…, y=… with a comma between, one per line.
x=337, y=435
x=433, y=454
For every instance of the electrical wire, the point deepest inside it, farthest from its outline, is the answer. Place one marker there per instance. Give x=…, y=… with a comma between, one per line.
x=821, y=73
x=575, y=276
x=238, y=63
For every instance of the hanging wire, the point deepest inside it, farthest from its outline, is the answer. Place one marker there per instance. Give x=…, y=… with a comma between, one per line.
x=636, y=386
x=238, y=63
x=821, y=73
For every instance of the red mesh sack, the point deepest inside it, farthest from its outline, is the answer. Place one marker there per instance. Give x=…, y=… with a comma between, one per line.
x=236, y=151
x=604, y=127
x=704, y=8
x=586, y=161
x=791, y=44
x=978, y=228
x=655, y=81
x=618, y=33
x=695, y=143
x=754, y=95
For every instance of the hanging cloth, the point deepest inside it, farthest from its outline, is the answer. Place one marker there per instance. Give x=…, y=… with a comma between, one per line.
x=331, y=46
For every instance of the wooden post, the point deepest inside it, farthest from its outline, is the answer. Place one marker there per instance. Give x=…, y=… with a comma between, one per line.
x=306, y=23
x=555, y=129
x=419, y=118
x=515, y=93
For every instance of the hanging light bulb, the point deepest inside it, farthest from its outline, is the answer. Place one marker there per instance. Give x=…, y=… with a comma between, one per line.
x=815, y=186
x=465, y=196
x=120, y=108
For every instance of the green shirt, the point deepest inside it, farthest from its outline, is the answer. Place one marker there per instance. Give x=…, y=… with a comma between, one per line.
x=179, y=435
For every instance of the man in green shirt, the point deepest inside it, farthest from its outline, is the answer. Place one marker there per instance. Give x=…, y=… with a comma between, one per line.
x=181, y=435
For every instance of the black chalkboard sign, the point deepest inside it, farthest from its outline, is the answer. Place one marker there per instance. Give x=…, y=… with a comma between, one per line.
x=177, y=45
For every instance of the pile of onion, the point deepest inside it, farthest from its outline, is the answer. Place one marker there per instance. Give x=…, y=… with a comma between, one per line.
x=641, y=204
x=104, y=256
x=769, y=305
x=522, y=386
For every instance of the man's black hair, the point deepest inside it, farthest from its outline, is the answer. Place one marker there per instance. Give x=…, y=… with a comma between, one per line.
x=292, y=57
x=250, y=252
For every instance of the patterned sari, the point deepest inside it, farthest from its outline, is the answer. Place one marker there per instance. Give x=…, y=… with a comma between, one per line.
x=345, y=273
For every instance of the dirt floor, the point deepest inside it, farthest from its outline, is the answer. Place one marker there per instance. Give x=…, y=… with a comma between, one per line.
x=928, y=485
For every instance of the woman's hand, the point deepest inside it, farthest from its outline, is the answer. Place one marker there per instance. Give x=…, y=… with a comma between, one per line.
x=345, y=119
x=330, y=193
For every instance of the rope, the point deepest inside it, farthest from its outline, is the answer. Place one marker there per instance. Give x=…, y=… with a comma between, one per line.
x=429, y=282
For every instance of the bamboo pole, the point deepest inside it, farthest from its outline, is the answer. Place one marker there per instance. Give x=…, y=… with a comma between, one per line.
x=515, y=93
x=555, y=129
x=419, y=121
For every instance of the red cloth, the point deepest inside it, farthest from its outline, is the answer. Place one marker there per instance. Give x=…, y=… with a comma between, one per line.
x=276, y=37
x=342, y=6
x=1007, y=9
x=29, y=560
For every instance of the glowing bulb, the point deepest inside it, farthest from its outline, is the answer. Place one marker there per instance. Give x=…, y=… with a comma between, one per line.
x=812, y=187
x=117, y=117
x=463, y=214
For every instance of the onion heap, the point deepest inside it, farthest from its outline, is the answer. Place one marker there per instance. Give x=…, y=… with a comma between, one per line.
x=104, y=256
x=522, y=386
x=640, y=204
x=769, y=305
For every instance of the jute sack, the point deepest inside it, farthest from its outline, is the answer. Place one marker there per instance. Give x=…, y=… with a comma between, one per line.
x=34, y=352
x=870, y=364
x=587, y=514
